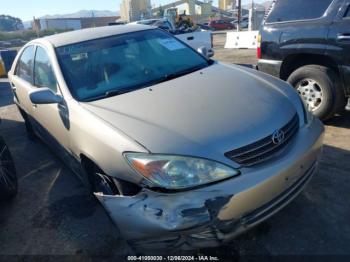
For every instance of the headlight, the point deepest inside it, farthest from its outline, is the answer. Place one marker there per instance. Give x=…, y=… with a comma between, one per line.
x=178, y=172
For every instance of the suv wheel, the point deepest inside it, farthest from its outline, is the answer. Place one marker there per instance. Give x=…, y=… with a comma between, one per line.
x=8, y=178
x=319, y=87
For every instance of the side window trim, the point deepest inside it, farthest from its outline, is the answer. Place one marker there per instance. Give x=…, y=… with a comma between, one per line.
x=58, y=89
x=273, y=4
x=19, y=62
x=36, y=49
x=346, y=15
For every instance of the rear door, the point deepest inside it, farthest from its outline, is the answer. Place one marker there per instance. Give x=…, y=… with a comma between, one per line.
x=296, y=26
x=339, y=39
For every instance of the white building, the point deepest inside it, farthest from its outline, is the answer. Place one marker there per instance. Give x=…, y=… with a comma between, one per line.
x=227, y=4
x=133, y=10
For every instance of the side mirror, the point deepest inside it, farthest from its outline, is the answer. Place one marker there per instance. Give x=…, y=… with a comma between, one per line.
x=203, y=51
x=44, y=95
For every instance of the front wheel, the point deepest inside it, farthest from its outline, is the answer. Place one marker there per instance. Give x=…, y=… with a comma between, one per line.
x=320, y=88
x=29, y=128
x=100, y=182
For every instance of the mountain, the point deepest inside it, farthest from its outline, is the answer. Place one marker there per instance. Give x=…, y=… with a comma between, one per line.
x=81, y=13
x=85, y=13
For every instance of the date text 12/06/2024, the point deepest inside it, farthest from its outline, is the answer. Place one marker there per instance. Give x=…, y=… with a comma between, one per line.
x=173, y=258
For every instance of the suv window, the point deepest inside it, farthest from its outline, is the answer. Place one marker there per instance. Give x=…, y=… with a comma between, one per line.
x=286, y=10
x=25, y=65
x=43, y=73
x=347, y=14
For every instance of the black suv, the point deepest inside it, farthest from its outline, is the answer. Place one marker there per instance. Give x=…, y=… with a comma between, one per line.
x=307, y=43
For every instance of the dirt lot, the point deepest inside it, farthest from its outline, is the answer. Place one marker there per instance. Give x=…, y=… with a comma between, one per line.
x=54, y=215
x=237, y=56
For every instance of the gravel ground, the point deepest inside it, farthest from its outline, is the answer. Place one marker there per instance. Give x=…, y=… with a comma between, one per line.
x=54, y=215
x=237, y=56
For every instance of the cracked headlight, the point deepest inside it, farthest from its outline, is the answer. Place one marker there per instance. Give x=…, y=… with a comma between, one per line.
x=178, y=172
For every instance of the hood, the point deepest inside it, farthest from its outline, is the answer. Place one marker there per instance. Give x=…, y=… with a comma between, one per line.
x=205, y=113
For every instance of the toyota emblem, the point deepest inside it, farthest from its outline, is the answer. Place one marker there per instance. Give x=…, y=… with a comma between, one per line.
x=278, y=137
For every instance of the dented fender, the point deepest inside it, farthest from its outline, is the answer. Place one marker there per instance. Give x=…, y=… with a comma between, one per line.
x=157, y=214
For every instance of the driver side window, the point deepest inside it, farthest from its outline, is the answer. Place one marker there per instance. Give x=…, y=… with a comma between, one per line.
x=43, y=72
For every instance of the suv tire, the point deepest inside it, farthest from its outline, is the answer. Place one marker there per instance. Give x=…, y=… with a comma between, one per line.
x=319, y=86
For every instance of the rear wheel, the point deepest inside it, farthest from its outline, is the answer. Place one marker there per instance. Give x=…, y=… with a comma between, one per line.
x=8, y=178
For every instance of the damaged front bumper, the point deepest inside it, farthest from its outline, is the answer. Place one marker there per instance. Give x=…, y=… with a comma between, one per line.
x=215, y=214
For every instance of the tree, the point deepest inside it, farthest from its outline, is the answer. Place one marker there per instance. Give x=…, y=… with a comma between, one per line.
x=9, y=23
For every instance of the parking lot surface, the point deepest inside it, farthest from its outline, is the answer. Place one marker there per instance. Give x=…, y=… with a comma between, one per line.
x=54, y=214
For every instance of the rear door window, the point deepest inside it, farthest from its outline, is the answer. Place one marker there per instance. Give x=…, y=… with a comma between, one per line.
x=25, y=65
x=286, y=10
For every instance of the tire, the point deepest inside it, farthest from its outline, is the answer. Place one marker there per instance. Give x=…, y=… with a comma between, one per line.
x=320, y=87
x=8, y=177
x=29, y=128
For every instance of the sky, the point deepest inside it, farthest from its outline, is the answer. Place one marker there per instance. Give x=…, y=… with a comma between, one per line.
x=26, y=9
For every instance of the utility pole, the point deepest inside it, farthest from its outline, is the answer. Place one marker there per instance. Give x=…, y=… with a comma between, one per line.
x=239, y=15
x=251, y=27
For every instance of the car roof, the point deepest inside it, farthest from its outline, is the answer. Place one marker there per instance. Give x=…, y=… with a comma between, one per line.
x=83, y=35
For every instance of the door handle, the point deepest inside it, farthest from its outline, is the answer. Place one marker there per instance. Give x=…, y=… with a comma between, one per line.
x=13, y=87
x=190, y=38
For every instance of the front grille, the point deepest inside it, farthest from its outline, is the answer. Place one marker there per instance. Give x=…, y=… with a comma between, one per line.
x=265, y=148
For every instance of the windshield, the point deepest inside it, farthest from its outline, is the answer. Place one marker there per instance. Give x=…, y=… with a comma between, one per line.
x=110, y=66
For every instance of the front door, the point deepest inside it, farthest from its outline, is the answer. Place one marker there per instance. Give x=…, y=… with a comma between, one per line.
x=22, y=80
x=52, y=120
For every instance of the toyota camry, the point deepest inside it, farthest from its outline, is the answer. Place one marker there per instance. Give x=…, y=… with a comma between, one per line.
x=180, y=149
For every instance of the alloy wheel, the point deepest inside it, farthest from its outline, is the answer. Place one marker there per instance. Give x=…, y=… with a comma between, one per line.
x=311, y=93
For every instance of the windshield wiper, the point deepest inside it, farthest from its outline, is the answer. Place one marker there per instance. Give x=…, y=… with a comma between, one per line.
x=118, y=92
x=109, y=93
x=186, y=71
x=178, y=74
